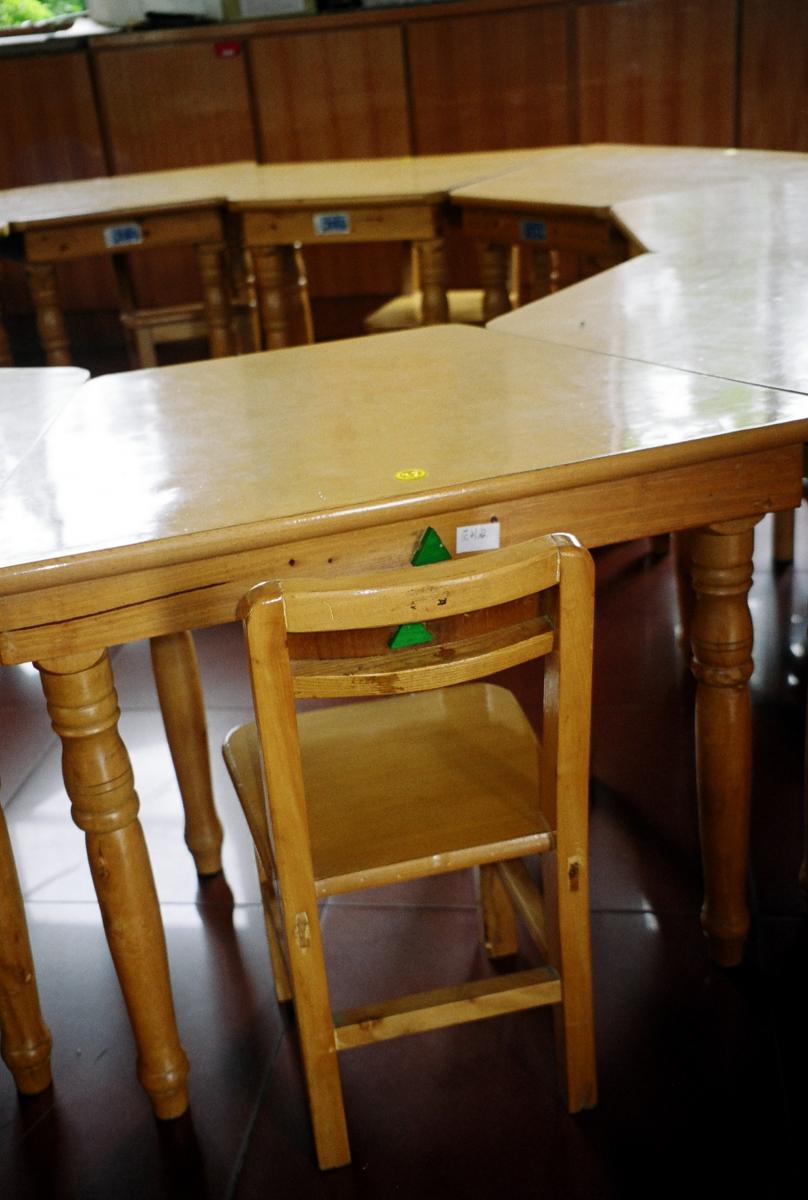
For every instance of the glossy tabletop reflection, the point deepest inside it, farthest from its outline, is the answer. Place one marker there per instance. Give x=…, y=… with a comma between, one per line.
x=763, y=214
x=30, y=399
x=271, y=443
x=737, y=317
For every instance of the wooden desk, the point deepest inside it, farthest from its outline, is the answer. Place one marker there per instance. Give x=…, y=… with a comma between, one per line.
x=367, y=200
x=740, y=316
x=567, y=202
x=763, y=214
x=156, y=498
x=119, y=215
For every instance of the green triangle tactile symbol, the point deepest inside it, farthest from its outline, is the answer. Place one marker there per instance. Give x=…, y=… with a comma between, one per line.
x=430, y=549
x=416, y=634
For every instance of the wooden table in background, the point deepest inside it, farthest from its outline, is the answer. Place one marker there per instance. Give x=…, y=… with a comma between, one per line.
x=565, y=204
x=156, y=498
x=367, y=200
x=119, y=215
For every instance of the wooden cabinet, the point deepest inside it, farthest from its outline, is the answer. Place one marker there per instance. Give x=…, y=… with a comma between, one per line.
x=180, y=105
x=657, y=71
x=474, y=74
x=337, y=94
x=490, y=81
x=177, y=105
x=49, y=130
x=774, y=75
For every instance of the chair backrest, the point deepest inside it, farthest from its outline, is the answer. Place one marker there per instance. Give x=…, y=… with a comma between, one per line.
x=486, y=612
x=475, y=607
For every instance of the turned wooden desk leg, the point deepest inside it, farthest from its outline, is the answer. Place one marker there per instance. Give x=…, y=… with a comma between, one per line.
x=49, y=316
x=211, y=260
x=722, y=665
x=98, y=776
x=25, y=1043
x=434, y=276
x=268, y=262
x=541, y=273
x=181, y=702
x=494, y=268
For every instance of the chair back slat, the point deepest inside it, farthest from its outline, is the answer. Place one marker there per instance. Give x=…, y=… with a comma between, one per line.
x=424, y=667
x=406, y=595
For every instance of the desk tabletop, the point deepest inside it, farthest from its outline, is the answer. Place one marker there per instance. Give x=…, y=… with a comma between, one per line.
x=377, y=180
x=593, y=179
x=738, y=316
x=236, y=453
x=30, y=399
x=244, y=184
x=79, y=199
x=761, y=214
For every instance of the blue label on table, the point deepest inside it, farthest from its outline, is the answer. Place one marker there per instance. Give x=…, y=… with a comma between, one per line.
x=332, y=222
x=129, y=234
x=533, y=231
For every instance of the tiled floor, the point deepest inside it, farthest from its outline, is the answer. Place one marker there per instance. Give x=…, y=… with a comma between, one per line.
x=701, y=1070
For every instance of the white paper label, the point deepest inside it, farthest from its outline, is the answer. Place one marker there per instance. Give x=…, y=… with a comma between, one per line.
x=477, y=537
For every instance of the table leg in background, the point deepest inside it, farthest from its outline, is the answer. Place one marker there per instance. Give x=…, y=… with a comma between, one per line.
x=83, y=707
x=722, y=664
x=50, y=319
x=25, y=1043
x=434, y=275
x=211, y=262
x=181, y=702
x=494, y=268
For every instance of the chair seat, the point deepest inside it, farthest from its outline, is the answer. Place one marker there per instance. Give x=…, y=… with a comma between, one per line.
x=404, y=312
x=416, y=786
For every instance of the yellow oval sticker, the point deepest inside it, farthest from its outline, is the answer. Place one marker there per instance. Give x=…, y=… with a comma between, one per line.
x=410, y=473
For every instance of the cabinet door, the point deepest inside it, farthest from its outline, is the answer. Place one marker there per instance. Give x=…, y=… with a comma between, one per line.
x=490, y=82
x=178, y=105
x=774, y=82
x=49, y=132
x=657, y=71
x=336, y=94
x=333, y=95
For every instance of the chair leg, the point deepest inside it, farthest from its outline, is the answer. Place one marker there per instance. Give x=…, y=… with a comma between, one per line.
x=498, y=931
x=283, y=988
x=685, y=596
x=180, y=694
x=784, y=536
x=25, y=1043
x=566, y=897
x=316, y=1032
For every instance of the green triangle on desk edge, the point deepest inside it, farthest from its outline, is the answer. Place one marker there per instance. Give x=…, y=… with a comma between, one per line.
x=430, y=549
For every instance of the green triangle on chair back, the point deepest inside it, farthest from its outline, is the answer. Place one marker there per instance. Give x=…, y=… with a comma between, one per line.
x=430, y=549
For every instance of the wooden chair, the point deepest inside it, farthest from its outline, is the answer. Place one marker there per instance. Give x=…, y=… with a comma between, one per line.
x=466, y=305
x=25, y=1042
x=421, y=781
